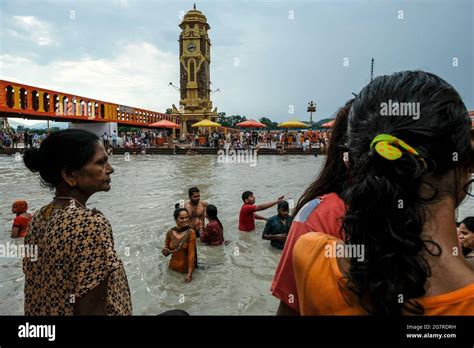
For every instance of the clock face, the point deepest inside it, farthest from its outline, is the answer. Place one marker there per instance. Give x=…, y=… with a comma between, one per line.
x=191, y=47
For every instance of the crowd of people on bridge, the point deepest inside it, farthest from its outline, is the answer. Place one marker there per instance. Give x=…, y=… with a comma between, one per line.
x=389, y=190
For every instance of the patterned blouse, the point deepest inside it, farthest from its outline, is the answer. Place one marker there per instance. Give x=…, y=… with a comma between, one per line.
x=75, y=254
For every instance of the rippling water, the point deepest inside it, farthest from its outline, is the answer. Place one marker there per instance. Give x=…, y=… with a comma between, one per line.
x=233, y=279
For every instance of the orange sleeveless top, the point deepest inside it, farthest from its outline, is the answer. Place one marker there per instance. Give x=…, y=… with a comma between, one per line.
x=322, y=291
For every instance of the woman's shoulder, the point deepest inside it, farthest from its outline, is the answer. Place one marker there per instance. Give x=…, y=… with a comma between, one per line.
x=315, y=242
x=213, y=223
x=316, y=249
x=96, y=216
x=90, y=217
x=26, y=215
x=307, y=210
x=329, y=203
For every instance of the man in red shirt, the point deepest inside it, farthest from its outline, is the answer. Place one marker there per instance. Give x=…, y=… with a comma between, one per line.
x=247, y=212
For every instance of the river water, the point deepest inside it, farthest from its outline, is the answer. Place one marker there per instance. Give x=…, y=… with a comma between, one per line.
x=233, y=279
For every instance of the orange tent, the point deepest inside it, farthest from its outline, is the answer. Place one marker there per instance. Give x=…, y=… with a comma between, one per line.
x=165, y=124
x=329, y=124
x=251, y=124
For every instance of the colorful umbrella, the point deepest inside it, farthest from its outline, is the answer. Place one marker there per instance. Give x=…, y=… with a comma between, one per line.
x=251, y=124
x=329, y=124
x=206, y=123
x=293, y=124
x=165, y=124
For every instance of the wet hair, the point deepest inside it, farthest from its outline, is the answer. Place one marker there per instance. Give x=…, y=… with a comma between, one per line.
x=192, y=190
x=387, y=201
x=246, y=195
x=178, y=209
x=211, y=211
x=334, y=173
x=283, y=205
x=469, y=223
x=70, y=149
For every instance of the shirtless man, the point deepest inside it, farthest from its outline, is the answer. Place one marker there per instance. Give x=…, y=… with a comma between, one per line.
x=196, y=210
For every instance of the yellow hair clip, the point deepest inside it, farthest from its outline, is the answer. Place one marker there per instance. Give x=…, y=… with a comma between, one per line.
x=384, y=145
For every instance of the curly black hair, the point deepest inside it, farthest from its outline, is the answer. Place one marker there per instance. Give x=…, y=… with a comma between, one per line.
x=387, y=199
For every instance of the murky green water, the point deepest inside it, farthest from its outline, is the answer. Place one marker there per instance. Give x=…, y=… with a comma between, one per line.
x=233, y=279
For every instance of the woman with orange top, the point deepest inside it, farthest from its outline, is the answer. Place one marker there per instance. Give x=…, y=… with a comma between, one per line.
x=400, y=254
x=22, y=219
x=181, y=244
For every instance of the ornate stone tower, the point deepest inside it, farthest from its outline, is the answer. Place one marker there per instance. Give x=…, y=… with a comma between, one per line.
x=194, y=59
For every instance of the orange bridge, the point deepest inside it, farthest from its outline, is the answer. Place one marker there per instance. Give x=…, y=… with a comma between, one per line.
x=23, y=101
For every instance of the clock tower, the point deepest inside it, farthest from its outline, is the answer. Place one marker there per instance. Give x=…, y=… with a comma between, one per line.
x=194, y=66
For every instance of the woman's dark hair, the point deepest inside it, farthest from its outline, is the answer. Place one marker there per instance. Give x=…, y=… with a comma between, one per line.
x=177, y=210
x=334, y=173
x=387, y=200
x=469, y=223
x=70, y=149
x=211, y=211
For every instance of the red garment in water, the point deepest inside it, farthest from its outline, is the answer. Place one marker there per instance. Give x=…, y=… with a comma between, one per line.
x=22, y=223
x=213, y=234
x=247, y=218
x=320, y=214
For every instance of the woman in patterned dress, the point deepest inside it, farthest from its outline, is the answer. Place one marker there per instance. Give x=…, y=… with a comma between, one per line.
x=77, y=270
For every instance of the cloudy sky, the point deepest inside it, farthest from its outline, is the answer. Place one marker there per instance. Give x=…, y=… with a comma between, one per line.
x=269, y=58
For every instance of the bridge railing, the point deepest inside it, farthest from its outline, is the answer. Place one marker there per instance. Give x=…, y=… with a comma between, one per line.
x=20, y=100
